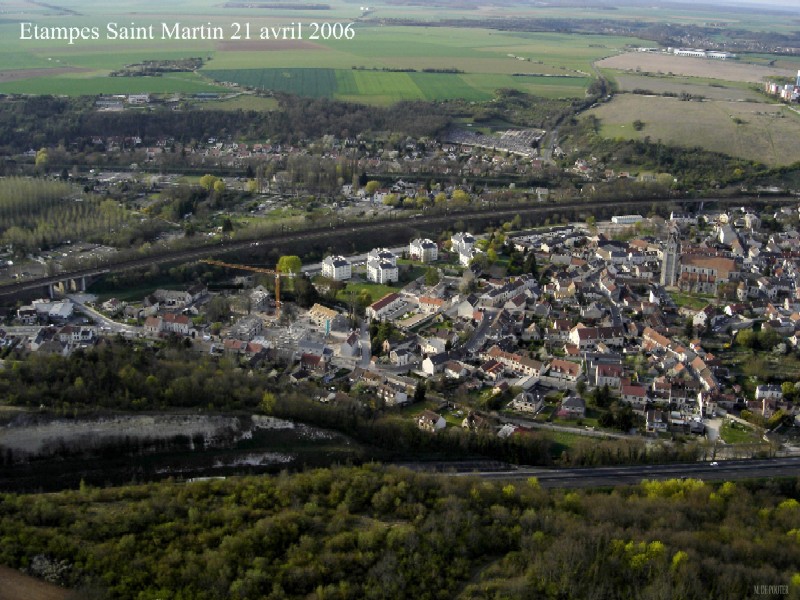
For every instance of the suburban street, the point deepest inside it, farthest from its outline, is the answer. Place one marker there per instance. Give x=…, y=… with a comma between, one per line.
x=80, y=302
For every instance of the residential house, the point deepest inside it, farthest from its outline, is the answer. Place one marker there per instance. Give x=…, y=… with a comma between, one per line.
x=515, y=362
x=656, y=421
x=381, y=309
x=610, y=375
x=564, y=369
x=634, y=395
x=314, y=363
x=351, y=347
x=492, y=369
x=431, y=305
x=392, y=394
x=178, y=324
x=769, y=392
x=400, y=357
x=559, y=330
x=461, y=241
x=173, y=298
x=463, y=244
x=152, y=325
x=112, y=306
x=434, y=364
x=572, y=407
x=454, y=369
x=430, y=421
x=702, y=318
x=531, y=402
x=76, y=335
x=473, y=422
x=433, y=345
x=586, y=338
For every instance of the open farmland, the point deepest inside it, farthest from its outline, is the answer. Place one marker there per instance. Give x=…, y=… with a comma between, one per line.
x=649, y=62
x=761, y=132
x=379, y=65
x=713, y=90
x=74, y=86
x=383, y=87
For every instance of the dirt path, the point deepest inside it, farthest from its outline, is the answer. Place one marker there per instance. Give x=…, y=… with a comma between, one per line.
x=16, y=586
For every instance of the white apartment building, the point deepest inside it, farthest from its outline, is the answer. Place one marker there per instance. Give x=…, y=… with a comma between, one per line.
x=423, y=250
x=337, y=268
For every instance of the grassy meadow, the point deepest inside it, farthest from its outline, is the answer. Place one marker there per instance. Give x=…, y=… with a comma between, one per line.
x=766, y=133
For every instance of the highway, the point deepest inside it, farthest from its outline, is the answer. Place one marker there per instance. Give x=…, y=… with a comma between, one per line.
x=400, y=222
x=729, y=470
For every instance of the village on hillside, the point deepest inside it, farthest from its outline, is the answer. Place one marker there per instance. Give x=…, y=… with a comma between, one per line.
x=650, y=326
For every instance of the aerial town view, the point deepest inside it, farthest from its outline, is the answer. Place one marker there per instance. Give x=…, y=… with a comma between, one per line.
x=455, y=299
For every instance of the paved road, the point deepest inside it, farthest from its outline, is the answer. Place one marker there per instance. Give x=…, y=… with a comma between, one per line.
x=366, y=346
x=478, y=336
x=610, y=476
x=103, y=321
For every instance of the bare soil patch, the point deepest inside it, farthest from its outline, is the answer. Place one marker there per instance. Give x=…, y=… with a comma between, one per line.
x=692, y=67
x=16, y=75
x=16, y=586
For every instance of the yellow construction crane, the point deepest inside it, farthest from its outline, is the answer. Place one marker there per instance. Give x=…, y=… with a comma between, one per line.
x=277, y=274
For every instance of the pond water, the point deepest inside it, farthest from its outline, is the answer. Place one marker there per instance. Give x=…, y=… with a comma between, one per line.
x=39, y=453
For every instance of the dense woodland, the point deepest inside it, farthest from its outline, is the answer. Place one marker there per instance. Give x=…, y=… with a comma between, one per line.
x=38, y=214
x=371, y=532
x=45, y=121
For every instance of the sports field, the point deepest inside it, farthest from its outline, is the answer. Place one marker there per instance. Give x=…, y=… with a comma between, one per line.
x=766, y=133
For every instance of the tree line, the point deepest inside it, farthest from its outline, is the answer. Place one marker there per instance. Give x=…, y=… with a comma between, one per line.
x=46, y=121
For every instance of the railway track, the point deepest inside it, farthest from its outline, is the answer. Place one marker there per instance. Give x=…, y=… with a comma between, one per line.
x=499, y=212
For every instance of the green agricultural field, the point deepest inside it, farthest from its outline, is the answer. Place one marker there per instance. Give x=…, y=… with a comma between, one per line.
x=484, y=60
x=761, y=132
x=315, y=83
x=382, y=87
x=76, y=85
